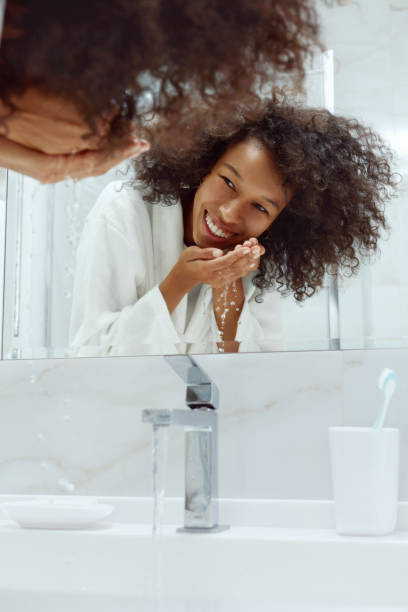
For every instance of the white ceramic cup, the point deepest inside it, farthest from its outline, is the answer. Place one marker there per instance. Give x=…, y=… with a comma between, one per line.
x=364, y=466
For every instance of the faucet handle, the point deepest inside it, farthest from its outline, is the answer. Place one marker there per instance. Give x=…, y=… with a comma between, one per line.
x=204, y=395
x=201, y=391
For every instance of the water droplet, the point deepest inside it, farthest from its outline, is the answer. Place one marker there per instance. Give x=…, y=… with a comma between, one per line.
x=66, y=485
x=67, y=417
x=33, y=378
x=40, y=436
x=45, y=466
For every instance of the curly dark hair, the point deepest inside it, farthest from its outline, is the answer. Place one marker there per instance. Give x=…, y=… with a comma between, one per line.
x=340, y=173
x=98, y=54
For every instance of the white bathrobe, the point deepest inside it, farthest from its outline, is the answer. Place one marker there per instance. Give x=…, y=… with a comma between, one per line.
x=127, y=248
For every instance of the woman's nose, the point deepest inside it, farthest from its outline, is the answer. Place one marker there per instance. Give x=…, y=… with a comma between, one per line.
x=230, y=212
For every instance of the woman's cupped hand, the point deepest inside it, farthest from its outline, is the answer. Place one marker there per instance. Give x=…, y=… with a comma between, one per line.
x=215, y=268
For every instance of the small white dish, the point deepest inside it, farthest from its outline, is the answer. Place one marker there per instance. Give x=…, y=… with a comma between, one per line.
x=54, y=513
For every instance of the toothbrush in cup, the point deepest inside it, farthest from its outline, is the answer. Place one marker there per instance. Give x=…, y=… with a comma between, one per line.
x=387, y=383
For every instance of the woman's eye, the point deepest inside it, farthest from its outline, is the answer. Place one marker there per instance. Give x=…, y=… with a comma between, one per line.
x=260, y=207
x=228, y=182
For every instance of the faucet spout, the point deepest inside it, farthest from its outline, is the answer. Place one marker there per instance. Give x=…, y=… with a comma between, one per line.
x=200, y=422
x=200, y=418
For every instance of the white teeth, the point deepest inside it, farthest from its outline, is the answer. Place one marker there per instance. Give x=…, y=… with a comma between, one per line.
x=216, y=230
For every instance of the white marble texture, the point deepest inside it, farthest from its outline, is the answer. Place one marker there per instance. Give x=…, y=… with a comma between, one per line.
x=74, y=425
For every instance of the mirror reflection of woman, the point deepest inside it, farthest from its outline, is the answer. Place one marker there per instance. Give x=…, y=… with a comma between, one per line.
x=259, y=206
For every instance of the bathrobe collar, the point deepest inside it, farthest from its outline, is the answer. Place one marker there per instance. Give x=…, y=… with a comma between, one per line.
x=168, y=244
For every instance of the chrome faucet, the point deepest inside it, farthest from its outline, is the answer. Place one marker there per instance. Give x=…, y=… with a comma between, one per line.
x=200, y=422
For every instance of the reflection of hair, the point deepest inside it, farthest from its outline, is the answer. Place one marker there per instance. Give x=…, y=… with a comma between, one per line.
x=90, y=52
x=341, y=176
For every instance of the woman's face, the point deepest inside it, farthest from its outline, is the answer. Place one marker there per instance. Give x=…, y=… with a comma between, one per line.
x=239, y=199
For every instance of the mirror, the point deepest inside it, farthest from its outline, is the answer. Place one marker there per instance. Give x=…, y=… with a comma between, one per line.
x=45, y=224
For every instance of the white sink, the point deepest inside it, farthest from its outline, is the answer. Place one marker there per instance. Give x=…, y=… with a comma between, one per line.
x=121, y=568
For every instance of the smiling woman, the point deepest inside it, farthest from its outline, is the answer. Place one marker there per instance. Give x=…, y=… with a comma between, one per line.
x=258, y=208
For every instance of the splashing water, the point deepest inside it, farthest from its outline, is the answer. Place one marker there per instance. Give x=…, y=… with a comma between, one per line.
x=223, y=307
x=73, y=227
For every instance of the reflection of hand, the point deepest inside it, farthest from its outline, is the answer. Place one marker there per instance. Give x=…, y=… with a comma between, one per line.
x=53, y=168
x=211, y=267
x=51, y=124
x=46, y=137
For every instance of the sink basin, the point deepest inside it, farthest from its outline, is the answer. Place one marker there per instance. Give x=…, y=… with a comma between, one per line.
x=120, y=567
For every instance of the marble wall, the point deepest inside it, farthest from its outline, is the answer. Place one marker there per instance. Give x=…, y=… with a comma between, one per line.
x=74, y=426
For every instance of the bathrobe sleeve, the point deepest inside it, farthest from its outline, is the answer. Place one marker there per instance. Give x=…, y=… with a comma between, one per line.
x=115, y=311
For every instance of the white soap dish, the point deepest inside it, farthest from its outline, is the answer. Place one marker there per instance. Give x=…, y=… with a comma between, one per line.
x=57, y=513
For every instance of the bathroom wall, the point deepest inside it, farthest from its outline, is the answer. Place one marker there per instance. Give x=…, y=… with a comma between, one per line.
x=370, y=49
x=74, y=426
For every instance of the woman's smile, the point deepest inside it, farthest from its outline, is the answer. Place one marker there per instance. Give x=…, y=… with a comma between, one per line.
x=215, y=229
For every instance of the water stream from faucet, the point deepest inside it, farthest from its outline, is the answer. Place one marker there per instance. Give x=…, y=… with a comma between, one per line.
x=160, y=445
